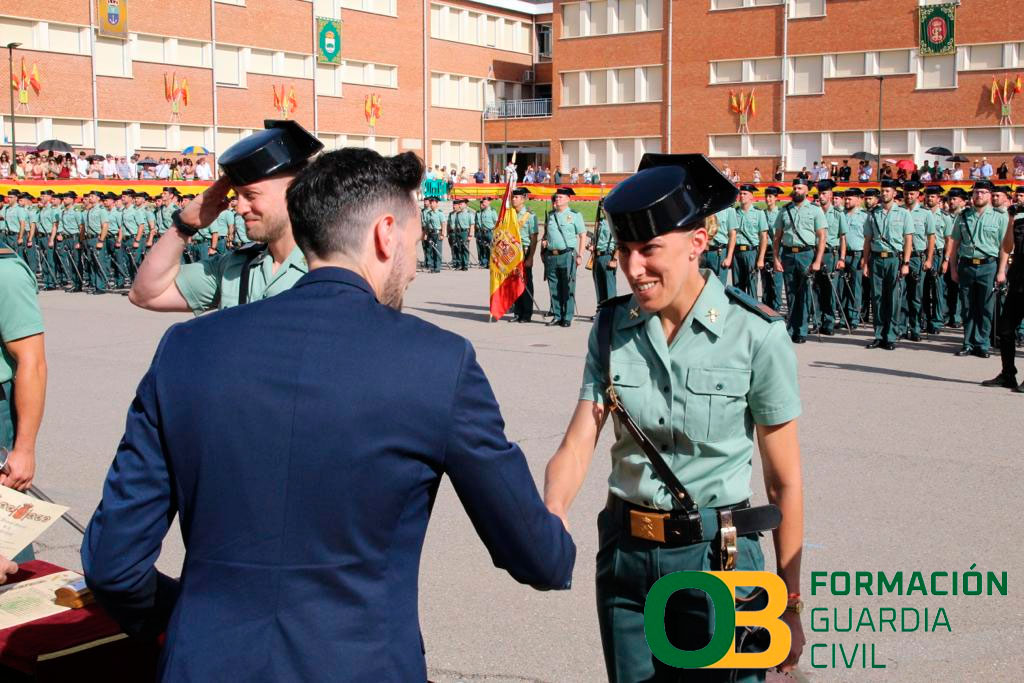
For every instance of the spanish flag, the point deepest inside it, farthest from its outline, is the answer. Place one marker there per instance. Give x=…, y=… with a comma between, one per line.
x=277, y=99
x=167, y=89
x=293, y=103
x=507, y=279
x=184, y=91
x=995, y=91
x=34, y=81
x=1018, y=85
x=734, y=104
x=753, y=105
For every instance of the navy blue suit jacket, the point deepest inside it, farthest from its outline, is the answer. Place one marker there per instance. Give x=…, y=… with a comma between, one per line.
x=300, y=440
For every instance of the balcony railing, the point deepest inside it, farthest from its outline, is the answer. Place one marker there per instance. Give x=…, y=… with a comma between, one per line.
x=518, y=109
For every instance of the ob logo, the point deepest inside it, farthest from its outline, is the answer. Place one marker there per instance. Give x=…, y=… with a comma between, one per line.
x=720, y=653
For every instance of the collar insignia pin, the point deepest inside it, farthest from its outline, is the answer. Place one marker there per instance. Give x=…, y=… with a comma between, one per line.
x=634, y=313
x=712, y=315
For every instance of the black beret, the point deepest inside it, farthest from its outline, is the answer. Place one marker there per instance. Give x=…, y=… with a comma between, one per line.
x=46, y=192
x=888, y=182
x=933, y=189
x=871, y=192
x=459, y=200
x=748, y=188
x=567, y=191
x=982, y=185
x=172, y=190
x=667, y=193
x=25, y=195
x=13, y=193
x=521, y=191
x=912, y=185
x=282, y=146
x=774, y=191
x=433, y=199
x=128, y=192
x=1020, y=188
x=899, y=195
x=853, y=192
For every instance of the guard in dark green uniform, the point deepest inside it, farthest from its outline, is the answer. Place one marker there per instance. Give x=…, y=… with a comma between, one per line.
x=800, y=240
x=934, y=298
x=561, y=245
x=715, y=255
x=772, y=284
x=486, y=219
x=888, y=243
x=835, y=254
x=923, y=251
x=69, y=248
x=46, y=239
x=461, y=222
x=745, y=240
x=523, y=308
x=697, y=368
x=605, y=265
x=95, y=253
x=977, y=234
x=433, y=235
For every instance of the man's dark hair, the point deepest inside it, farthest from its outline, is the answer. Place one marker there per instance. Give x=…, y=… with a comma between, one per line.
x=333, y=199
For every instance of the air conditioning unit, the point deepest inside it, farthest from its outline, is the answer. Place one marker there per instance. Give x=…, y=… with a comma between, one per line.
x=528, y=76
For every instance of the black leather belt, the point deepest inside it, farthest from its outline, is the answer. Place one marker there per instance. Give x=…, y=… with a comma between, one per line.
x=677, y=529
x=743, y=247
x=917, y=254
x=978, y=261
x=883, y=254
x=796, y=250
x=714, y=249
x=603, y=253
x=557, y=252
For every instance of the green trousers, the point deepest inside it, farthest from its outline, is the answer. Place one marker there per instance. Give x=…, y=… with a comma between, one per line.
x=432, y=252
x=933, y=301
x=560, y=272
x=604, y=277
x=826, y=298
x=977, y=301
x=712, y=259
x=772, y=284
x=911, y=318
x=483, y=247
x=850, y=286
x=885, y=286
x=627, y=567
x=795, y=270
x=97, y=263
x=744, y=270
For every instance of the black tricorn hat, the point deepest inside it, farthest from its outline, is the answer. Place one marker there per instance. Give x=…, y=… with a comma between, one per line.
x=752, y=189
x=871, y=192
x=774, y=191
x=668, y=192
x=521, y=191
x=567, y=191
x=853, y=192
x=282, y=146
x=933, y=189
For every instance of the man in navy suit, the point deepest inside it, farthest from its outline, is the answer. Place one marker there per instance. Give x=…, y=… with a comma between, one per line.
x=304, y=505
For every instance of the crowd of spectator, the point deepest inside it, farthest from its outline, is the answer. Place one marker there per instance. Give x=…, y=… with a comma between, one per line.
x=928, y=171
x=532, y=174
x=48, y=165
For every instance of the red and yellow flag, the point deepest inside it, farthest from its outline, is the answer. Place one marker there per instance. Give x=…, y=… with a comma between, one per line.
x=34, y=79
x=507, y=279
x=277, y=99
x=293, y=103
x=184, y=91
x=1018, y=85
x=734, y=104
x=167, y=89
x=753, y=105
x=995, y=90
x=24, y=74
x=1006, y=90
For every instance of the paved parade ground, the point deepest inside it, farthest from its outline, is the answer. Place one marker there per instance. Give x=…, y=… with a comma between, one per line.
x=908, y=466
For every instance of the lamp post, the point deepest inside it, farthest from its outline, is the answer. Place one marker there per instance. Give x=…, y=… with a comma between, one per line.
x=504, y=115
x=10, y=64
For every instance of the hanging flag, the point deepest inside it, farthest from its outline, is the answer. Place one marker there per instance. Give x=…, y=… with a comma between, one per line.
x=293, y=104
x=34, y=81
x=937, y=32
x=24, y=74
x=1018, y=86
x=743, y=102
x=1006, y=90
x=995, y=91
x=753, y=105
x=175, y=88
x=328, y=34
x=277, y=100
x=167, y=88
x=113, y=18
x=184, y=91
x=507, y=280
x=734, y=104
x=15, y=83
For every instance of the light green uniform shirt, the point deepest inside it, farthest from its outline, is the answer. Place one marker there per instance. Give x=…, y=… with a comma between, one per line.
x=461, y=220
x=771, y=216
x=980, y=234
x=799, y=225
x=487, y=219
x=71, y=222
x=726, y=221
x=222, y=224
x=433, y=220
x=163, y=218
x=749, y=226
x=924, y=225
x=214, y=283
x=855, y=221
x=94, y=220
x=943, y=229
x=604, y=240
x=130, y=221
x=887, y=229
x=33, y=221
x=241, y=237
x=836, y=222
x=564, y=229
x=47, y=217
x=527, y=228
x=13, y=218
x=116, y=222
x=19, y=309
x=698, y=399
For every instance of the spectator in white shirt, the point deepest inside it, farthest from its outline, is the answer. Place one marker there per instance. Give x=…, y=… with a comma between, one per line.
x=163, y=170
x=958, y=173
x=203, y=171
x=82, y=165
x=986, y=168
x=125, y=170
x=109, y=167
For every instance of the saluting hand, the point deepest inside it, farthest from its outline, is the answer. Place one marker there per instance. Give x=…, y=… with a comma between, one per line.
x=204, y=209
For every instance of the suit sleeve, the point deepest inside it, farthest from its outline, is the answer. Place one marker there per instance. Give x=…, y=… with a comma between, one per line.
x=125, y=534
x=493, y=482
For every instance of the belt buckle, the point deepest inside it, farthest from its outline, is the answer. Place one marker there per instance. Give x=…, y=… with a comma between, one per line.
x=976, y=261
x=794, y=250
x=727, y=543
x=648, y=525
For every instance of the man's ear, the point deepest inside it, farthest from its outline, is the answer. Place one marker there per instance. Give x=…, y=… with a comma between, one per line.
x=385, y=236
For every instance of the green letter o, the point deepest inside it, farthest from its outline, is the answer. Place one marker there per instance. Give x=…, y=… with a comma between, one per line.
x=724, y=619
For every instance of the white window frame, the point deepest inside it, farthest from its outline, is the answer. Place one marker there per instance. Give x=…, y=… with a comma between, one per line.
x=640, y=85
x=745, y=146
x=920, y=61
x=746, y=4
x=392, y=12
x=746, y=70
x=792, y=11
x=963, y=57
x=789, y=66
x=440, y=32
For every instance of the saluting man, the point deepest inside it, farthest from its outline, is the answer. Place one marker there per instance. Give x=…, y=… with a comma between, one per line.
x=260, y=169
x=800, y=240
x=565, y=237
x=973, y=254
x=745, y=240
x=887, y=248
x=486, y=219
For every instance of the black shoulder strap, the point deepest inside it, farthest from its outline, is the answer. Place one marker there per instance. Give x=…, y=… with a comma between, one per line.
x=252, y=252
x=748, y=302
x=792, y=222
x=604, y=352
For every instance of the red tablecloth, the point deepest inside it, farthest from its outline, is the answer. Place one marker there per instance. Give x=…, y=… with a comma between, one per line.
x=40, y=648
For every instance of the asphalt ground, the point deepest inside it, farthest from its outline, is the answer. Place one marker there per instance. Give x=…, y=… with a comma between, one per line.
x=909, y=465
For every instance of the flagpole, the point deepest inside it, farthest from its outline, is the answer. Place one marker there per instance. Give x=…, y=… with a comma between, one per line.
x=10, y=61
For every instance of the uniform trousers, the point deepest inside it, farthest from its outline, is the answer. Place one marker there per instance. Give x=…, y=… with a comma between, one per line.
x=116, y=262
x=432, y=252
x=560, y=272
x=458, y=240
x=934, y=300
x=712, y=258
x=826, y=297
x=604, y=277
x=744, y=270
x=977, y=301
x=627, y=567
x=29, y=254
x=51, y=278
x=796, y=268
x=1010, y=318
x=483, y=247
x=772, y=285
x=885, y=292
x=953, y=313
x=97, y=264
x=522, y=309
x=68, y=259
x=850, y=286
x=910, y=306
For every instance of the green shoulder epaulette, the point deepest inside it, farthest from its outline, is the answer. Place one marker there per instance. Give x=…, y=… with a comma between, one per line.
x=251, y=248
x=614, y=301
x=753, y=305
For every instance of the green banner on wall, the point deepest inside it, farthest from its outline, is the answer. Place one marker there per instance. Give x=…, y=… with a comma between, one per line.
x=328, y=39
x=938, y=30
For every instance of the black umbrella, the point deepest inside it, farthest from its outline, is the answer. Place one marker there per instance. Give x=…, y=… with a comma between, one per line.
x=938, y=151
x=95, y=157
x=865, y=156
x=55, y=146
x=149, y=161
x=957, y=157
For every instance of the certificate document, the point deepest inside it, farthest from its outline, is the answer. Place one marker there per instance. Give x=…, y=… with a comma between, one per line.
x=23, y=519
x=33, y=599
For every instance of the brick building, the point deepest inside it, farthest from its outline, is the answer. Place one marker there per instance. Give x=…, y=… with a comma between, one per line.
x=590, y=84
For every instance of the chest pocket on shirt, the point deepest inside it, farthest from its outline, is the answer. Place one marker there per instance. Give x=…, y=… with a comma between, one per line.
x=632, y=383
x=716, y=403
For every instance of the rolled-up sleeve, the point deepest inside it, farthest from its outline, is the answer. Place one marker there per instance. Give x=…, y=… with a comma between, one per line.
x=199, y=283
x=774, y=397
x=592, y=388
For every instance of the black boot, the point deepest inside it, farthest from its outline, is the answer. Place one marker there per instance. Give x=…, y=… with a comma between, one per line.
x=1001, y=380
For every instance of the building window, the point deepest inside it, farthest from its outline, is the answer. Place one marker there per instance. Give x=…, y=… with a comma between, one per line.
x=801, y=9
x=607, y=155
x=240, y=3
x=747, y=70
x=227, y=137
x=935, y=138
x=152, y=136
x=27, y=129
x=852, y=64
x=328, y=80
x=845, y=143
x=980, y=57
x=261, y=62
x=111, y=57
x=982, y=139
x=189, y=136
x=893, y=62
x=739, y=4
x=68, y=130
x=759, y=145
x=368, y=73
x=65, y=39
x=726, y=145
x=937, y=72
x=227, y=64
x=895, y=142
x=149, y=48
x=544, y=41
x=604, y=17
x=455, y=154
x=191, y=53
x=374, y=6
x=294, y=65
x=806, y=76
x=612, y=86
x=475, y=28
x=457, y=92
x=17, y=31
x=112, y=138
